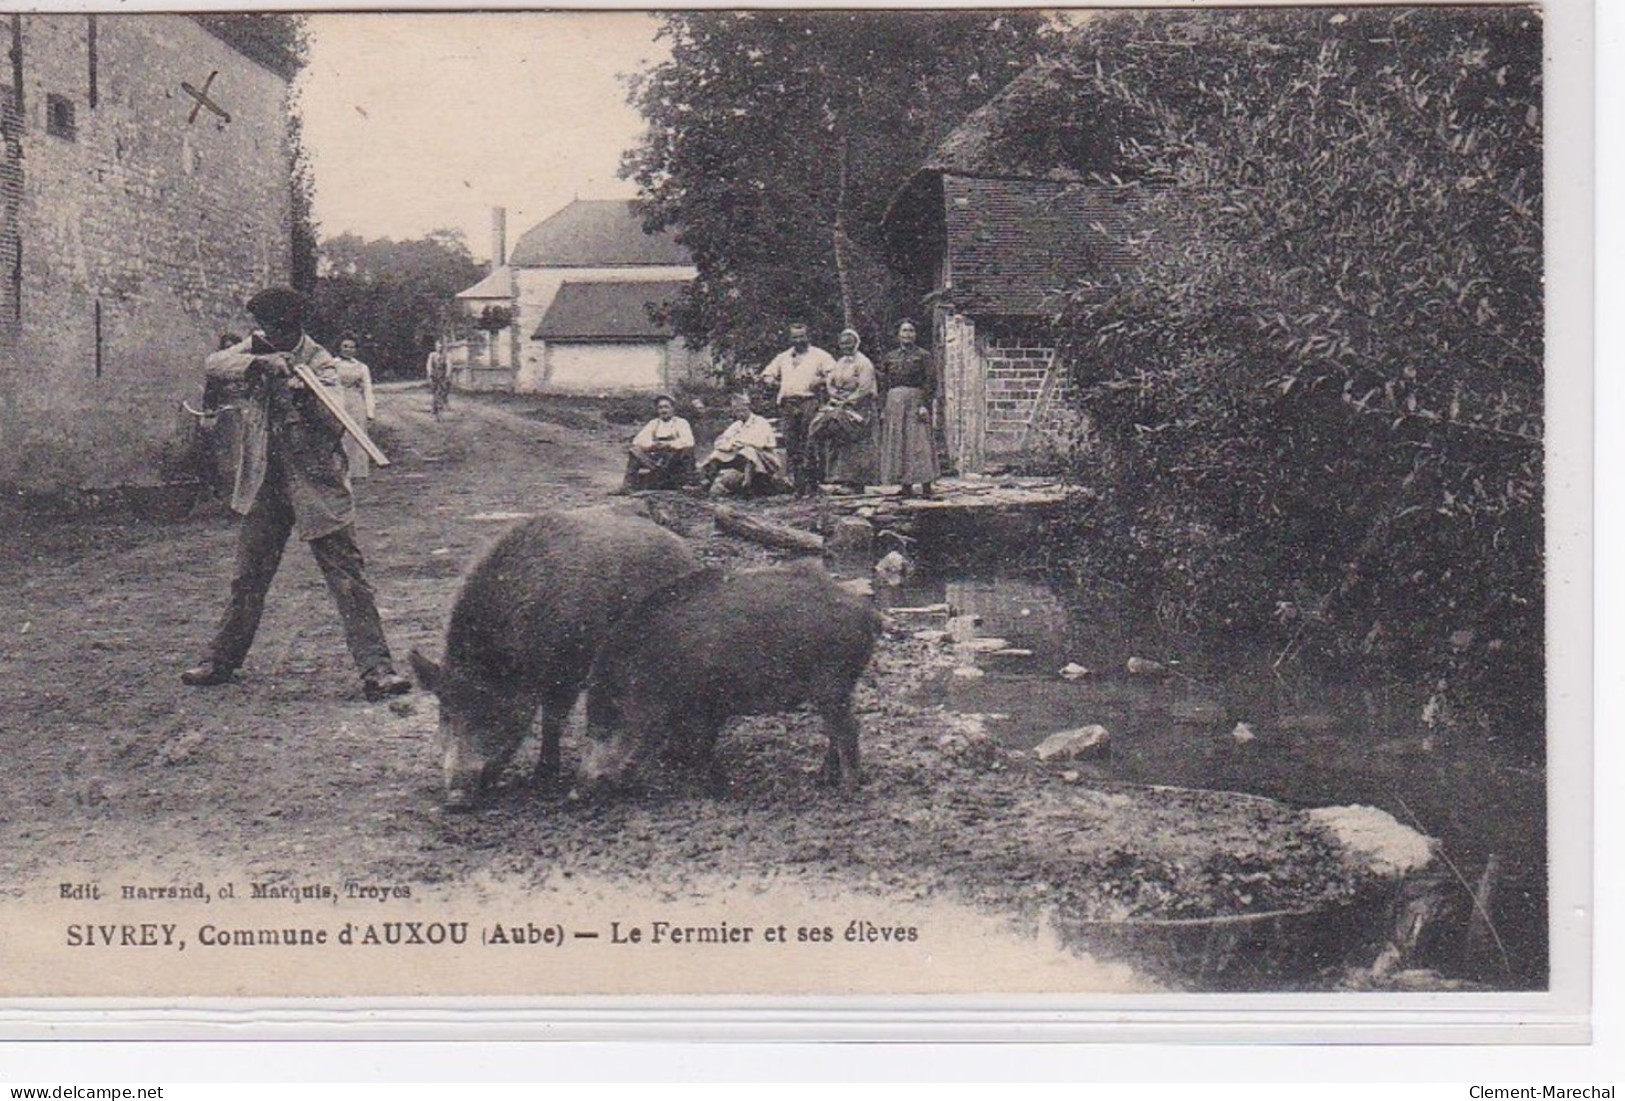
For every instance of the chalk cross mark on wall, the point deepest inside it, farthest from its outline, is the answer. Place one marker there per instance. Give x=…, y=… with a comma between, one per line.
x=203, y=100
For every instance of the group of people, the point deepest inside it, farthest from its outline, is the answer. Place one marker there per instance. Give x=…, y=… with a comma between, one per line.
x=841, y=420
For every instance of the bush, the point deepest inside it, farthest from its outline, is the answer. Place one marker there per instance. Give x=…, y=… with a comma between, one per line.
x=1317, y=401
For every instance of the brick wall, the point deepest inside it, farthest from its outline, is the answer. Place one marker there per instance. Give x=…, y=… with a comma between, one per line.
x=141, y=235
x=1026, y=394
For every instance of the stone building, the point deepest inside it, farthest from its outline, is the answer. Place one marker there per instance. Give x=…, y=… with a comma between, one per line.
x=989, y=234
x=580, y=286
x=144, y=195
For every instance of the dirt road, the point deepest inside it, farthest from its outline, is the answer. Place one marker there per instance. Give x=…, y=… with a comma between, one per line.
x=103, y=741
x=288, y=775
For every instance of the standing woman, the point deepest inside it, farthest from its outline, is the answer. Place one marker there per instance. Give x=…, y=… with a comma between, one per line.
x=907, y=454
x=356, y=378
x=845, y=426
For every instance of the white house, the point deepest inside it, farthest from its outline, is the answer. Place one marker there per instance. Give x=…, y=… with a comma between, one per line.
x=581, y=286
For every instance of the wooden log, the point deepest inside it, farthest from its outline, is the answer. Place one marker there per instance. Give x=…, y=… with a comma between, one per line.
x=767, y=532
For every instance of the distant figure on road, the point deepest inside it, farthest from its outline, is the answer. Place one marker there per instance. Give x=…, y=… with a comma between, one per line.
x=843, y=433
x=356, y=378
x=439, y=371
x=745, y=459
x=907, y=453
x=800, y=372
x=291, y=476
x=662, y=453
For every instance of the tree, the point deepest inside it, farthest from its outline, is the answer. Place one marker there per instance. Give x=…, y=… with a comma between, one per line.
x=1318, y=399
x=776, y=139
x=397, y=297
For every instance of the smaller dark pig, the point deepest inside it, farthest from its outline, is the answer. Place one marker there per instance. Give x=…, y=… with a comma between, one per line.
x=526, y=624
x=712, y=646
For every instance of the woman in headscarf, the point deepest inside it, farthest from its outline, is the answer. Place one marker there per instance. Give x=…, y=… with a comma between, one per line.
x=844, y=428
x=907, y=453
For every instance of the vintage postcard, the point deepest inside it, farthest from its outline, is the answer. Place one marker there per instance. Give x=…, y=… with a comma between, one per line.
x=808, y=503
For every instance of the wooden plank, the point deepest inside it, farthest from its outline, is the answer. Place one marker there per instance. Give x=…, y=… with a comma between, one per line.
x=769, y=533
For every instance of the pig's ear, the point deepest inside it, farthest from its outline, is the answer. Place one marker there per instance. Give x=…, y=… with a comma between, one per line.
x=428, y=672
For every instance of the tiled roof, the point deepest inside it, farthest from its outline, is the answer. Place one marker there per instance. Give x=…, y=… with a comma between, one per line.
x=499, y=284
x=1013, y=245
x=596, y=233
x=607, y=311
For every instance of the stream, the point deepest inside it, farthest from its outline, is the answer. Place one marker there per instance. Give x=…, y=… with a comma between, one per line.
x=1306, y=741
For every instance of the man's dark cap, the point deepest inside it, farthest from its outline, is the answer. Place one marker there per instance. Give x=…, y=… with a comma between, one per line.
x=279, y=304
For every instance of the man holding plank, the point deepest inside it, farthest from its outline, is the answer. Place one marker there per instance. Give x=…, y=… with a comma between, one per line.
x=292, y=474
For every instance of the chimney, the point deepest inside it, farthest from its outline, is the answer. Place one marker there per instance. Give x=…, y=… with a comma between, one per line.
x=499, y=236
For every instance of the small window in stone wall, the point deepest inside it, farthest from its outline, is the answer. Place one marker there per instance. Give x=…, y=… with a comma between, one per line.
x=59, y=116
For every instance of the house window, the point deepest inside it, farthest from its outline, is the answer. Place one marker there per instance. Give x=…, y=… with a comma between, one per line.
x=59, y=116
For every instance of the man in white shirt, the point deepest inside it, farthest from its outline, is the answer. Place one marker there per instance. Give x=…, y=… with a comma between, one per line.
x=745, y=458
x=800, y=372
x=662, y=453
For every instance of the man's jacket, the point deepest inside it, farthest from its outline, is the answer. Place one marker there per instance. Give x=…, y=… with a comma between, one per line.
x=308, y=440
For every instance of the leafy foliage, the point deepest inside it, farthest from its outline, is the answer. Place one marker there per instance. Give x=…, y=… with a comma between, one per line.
x=493, y=319
x=776, y=140
x=1317, y=404
x=395, y=296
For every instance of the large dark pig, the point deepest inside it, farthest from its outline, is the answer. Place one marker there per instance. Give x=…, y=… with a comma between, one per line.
x=525, y=627
x=712, y=646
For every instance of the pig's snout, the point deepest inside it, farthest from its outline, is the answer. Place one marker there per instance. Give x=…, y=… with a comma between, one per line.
x=465, y=773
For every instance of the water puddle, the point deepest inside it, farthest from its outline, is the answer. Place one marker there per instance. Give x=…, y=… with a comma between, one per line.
x=1220, y=717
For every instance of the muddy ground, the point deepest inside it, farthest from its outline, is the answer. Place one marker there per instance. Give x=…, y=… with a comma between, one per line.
x=111, y=762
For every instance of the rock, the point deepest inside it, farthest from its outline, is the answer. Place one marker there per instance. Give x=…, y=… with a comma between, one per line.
x=1145, y=666
x=1388, y=846
x=1071, y=776
x=985, y=645
x=921, y=609
x=852, y=537
x=860, y=586
x=931, y=636
x=893, y=566
x=1243, y=733
x=402, y=707
x=1082, y=744
x=968, y=672
x=962, y=628
x=1010, y=652
x=1072, y=671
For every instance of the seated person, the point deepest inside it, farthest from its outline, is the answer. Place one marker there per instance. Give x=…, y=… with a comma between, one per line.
x=746, y=458
x=662, y=453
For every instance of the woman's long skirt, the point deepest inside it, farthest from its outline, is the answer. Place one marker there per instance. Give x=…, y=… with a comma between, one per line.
x=356, y=406
x=907, y=454
x=851, y=454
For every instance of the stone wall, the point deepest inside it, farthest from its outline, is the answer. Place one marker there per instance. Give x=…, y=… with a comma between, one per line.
x=141, y=231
